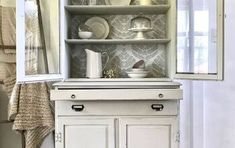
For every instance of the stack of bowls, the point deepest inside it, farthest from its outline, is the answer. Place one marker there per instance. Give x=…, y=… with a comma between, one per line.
x=137, y=73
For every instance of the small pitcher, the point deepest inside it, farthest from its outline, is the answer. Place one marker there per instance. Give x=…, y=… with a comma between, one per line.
x=94, y=66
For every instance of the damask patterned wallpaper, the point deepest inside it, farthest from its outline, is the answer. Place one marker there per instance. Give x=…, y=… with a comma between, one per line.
x=123, y=57
x=119, y=25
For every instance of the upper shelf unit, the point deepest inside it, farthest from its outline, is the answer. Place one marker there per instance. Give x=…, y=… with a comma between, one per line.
x=107, y=9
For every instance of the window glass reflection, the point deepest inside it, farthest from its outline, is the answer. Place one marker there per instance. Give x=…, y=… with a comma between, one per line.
x=196, y=41
x=41, y=37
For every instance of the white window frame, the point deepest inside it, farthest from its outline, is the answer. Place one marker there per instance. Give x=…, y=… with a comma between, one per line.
x=220, y=52
x=20, y=56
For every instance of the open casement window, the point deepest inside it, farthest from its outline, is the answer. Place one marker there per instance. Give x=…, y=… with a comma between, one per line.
x=199, y=53
x=38, y=52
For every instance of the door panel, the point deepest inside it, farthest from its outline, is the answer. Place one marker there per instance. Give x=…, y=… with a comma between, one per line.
x=148, y=132
x=85, y=133
x=37, y=35
x=200, y=48
x=157, y=136
x=86, y=136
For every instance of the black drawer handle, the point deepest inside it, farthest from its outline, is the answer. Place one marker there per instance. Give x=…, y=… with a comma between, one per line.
x=157, y=107
x=78, y=108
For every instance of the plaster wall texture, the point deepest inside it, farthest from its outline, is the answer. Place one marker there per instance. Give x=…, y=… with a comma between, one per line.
x=219, y=97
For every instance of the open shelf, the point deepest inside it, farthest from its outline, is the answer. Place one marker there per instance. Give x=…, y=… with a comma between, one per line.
x=105, y=9
x=117, y=41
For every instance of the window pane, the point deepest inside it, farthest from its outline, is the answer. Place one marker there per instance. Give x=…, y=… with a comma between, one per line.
x=196, y=45
x=41, y=37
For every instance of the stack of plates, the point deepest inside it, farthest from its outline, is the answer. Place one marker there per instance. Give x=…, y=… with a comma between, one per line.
x=99, y=27
x=137, y=73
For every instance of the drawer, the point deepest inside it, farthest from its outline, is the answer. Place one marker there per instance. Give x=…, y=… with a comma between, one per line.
x=117, y=94
x=118, y=108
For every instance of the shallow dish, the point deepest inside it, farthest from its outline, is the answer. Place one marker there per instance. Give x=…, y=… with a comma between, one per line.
x=138, y=69
x=99, y=26
x=85, y=34
x=137, y=72
x=137, y=75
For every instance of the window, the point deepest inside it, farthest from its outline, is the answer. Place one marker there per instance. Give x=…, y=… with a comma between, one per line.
x=199, y=38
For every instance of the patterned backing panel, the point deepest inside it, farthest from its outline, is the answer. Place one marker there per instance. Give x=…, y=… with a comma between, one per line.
x=102, y=2
x=122, y=58
x=119, y=25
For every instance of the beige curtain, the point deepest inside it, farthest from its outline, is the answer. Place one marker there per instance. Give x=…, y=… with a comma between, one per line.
x=7, y=43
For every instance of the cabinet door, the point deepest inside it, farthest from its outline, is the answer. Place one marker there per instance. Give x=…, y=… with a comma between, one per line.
x=85, y=133
x=37, y=40
x=200, y=36
x=149, y=133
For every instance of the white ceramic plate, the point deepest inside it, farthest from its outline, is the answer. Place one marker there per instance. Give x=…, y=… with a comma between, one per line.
x=117, y=2
x=99, y=27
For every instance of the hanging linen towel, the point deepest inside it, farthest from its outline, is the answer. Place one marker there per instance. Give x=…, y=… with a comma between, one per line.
x=31, y=111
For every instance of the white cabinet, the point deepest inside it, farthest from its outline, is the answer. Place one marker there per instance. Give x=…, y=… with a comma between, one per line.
x=117, y=132
x=85, y=133
x=49, y=47
x=161, y=132
x=116, y=122
x=119, y=112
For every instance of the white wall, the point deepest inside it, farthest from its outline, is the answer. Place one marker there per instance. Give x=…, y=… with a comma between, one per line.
x=219, y=97
x=208, y=108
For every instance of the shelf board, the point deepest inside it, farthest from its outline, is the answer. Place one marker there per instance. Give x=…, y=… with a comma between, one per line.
x=117, y=41
x=87, y=80
x=107, y=9
x=117, y=83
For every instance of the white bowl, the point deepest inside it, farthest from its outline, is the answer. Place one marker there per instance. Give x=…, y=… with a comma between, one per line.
x=139, y=74
x=85, y=34
x=137, y=69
